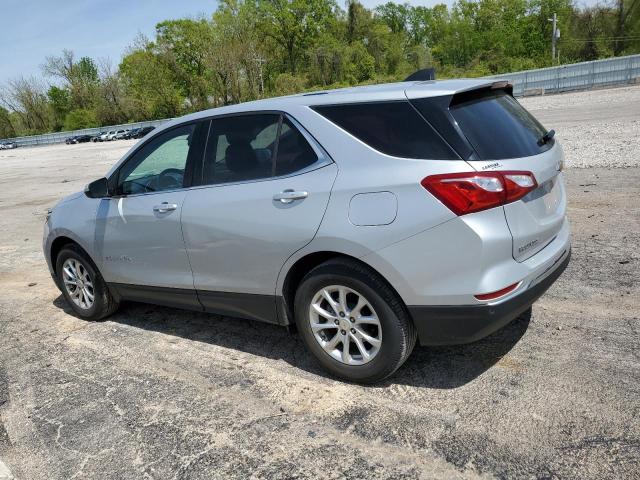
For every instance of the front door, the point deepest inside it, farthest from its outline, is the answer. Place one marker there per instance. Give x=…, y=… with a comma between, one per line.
x=139, y=232
x=266, y=192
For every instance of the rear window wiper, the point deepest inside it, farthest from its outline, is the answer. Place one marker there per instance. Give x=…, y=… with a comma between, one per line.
x=546, y=137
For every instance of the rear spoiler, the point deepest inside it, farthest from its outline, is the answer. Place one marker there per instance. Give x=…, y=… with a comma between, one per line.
x=481, y=91
x=503, y=85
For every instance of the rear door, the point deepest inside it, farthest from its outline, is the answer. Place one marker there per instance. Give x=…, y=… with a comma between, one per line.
x=499, y=134
x=266, y=186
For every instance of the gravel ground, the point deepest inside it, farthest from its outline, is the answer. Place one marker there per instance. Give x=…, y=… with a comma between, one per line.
x=598, y=128
x=161, y=393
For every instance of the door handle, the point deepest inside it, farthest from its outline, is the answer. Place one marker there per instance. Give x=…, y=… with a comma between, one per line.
x=165, y=207
x=288, y=196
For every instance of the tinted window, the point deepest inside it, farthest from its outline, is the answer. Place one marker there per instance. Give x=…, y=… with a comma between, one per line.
x=394, y=128
x=241, y=148
x=497, y=126
x=159, y=165
x=294, y=152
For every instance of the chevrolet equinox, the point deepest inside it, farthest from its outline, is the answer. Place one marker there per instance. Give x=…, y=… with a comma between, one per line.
x=368, y=217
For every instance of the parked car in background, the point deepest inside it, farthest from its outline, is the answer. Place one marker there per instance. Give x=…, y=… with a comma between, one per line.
x=105, y=136
x=8, y=145
x=142, y=132
x=112, y=134
x=77, y=139
x=82, y=139
x=130, y=133
x=369, y=217
x=96, y=137
x=122, y=134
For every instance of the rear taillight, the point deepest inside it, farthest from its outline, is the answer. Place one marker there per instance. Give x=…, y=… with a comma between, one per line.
x=472, y=192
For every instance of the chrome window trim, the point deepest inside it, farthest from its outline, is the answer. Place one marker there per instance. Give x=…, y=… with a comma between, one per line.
x=323, y=160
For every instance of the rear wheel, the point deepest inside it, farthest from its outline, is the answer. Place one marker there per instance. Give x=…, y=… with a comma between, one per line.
x=82, y=285
x=353, y=322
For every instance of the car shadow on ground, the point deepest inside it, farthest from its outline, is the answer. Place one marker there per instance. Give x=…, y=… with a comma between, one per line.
x=429, y=367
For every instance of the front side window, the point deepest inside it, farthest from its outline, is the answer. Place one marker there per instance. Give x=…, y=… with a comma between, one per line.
x=159, y=165
x=394, y=128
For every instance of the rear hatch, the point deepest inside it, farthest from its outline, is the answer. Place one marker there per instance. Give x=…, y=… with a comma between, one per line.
x=492, y=131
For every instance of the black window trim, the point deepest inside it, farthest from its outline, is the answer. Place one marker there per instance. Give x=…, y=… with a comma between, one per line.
x=379, y=102
x=323, y=160
x=442, y=103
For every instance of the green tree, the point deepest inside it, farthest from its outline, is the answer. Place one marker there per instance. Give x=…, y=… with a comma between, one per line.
x=287, y=84
x=151, y=86
x=326, y=61
x=27, y=101
x=252, y=49
x=79, y=77
x=361, y=65
x=6, y=127
x=395, y=15
x=238, y=60
x=184, y=46
x=295, y=24
x=80, y=118
x=627, y=17
x=60, y=103
x=112, y=105
x=358, y=21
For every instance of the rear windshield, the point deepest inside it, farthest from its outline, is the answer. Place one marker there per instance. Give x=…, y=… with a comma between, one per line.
x=394, y=128
x=497, y=126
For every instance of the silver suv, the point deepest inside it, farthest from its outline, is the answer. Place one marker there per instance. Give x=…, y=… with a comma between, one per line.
x=365, y=217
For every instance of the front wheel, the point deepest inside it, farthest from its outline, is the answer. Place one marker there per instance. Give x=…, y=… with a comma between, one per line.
x=82, y=285
x=353, y=322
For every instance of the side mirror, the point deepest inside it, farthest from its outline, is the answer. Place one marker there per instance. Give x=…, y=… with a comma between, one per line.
x=97, y=189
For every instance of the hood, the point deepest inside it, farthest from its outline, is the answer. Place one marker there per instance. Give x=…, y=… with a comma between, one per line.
x=69, y=198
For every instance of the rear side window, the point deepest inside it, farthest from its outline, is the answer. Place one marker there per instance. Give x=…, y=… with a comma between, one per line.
x=294, y=152
x=394, y=128
x=497, y=126
x=254, y=146
x=244, y=146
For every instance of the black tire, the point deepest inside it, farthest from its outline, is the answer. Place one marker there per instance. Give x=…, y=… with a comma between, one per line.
x=103, y=302
x=398, y=331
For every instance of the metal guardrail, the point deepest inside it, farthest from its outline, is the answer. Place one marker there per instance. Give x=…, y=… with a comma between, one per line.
x=576, y=76
x=60, y=137
x=563, y=78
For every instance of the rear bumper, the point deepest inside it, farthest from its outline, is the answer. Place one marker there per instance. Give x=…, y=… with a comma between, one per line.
x=459, y=324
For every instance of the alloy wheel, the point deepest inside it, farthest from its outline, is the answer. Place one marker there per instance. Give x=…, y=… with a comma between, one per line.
x=78, y=283
x=345, y=325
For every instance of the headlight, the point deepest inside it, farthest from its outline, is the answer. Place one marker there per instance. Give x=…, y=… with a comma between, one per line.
x=46, y=218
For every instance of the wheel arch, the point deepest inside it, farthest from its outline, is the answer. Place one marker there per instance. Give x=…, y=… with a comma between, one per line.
x=58, y=244
x=305, y=264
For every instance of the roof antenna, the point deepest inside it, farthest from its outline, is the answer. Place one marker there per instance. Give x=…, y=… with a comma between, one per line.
x=422, y=75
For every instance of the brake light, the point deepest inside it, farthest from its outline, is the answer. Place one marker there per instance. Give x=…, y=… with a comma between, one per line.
x=472, y=192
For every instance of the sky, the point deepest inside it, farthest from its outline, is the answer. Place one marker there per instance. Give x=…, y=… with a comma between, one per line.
x=34, y=29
